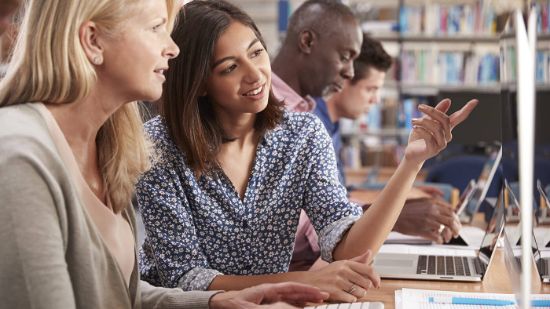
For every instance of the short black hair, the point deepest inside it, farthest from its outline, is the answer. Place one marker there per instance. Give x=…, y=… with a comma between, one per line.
x=318, y=15
x=372, y=55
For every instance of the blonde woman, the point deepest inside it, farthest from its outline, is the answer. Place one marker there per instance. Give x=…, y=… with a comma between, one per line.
x=71, y=149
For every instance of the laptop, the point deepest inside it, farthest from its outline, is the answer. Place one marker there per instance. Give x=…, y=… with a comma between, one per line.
x=543, y=263
x=483, y=184
x=511, y=204
x=462, y=265
x=544, y=208
x=512, y=245
x=466, y=197
x=513, y=255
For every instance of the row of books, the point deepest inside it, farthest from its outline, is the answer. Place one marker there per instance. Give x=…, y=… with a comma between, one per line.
x=387, y=124
x=445, y=19
x=390, y=113
x=429, y=66
x=543, y=14
x=542, y=64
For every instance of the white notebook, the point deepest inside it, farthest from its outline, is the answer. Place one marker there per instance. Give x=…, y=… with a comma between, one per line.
x=357, y=305
x=419, y=299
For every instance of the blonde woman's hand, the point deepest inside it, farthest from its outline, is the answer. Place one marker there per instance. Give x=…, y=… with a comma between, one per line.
x=278, y=295
x=432, y=132
x=346, y=280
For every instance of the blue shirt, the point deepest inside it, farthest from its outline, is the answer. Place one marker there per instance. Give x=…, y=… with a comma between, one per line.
x=333, y=129
x=197, y=229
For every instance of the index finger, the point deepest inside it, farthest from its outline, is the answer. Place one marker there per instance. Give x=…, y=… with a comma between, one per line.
x=462, y=114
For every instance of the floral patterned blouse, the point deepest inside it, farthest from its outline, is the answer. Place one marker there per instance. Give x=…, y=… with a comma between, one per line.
x=197, y=229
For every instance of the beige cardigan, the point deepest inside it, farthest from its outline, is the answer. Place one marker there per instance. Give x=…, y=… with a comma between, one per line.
x=51, y=254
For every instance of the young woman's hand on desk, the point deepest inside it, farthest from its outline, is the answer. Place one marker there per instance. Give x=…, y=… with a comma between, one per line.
x=346, y=280
x=425, y=218
x=432, y=132
x=279, y=295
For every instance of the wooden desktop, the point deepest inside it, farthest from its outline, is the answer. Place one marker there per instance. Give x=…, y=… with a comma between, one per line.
x=496, y=280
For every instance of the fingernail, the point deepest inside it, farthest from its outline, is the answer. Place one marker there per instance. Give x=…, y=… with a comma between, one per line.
x=422, y=107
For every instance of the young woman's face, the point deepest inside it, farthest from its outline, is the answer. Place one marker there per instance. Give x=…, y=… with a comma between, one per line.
x=241, y=73
x=136, y=56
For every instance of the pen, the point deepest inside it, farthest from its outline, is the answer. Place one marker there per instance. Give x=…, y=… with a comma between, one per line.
x=540, y=303
x=483, y=301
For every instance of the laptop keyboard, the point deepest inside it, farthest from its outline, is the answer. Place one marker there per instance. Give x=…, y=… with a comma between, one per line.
x=365, y=305
x=542, y=265
x=447, y=265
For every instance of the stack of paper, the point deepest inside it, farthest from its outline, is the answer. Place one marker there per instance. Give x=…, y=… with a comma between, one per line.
x=420, y=299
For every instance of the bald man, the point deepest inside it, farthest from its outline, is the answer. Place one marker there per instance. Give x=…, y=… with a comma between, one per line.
x=316, y=58
x=322, y=40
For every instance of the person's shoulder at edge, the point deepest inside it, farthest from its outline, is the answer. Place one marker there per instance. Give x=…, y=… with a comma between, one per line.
x=19, y=119
x=165, y=149
x=300, y=123
x=24, y=124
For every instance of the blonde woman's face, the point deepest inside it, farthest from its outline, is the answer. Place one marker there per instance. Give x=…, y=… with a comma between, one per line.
x=136, y=57
x=241, y=76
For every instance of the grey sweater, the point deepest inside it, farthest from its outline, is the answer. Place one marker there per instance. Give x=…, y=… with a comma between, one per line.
x=51, y=254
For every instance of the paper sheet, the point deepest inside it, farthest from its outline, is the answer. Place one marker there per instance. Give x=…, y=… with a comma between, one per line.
x=471, y=234
x=398, y=238
x=418, y=299
x=427, y=250
x=398, y=300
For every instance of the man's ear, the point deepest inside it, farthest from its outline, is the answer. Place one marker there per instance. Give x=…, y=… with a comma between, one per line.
x=90, y=41
x=307, y=38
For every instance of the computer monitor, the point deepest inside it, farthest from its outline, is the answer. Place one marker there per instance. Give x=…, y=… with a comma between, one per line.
x=525, y=43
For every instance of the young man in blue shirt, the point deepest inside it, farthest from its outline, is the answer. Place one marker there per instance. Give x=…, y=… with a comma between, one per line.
x=357, y=95
x=352, y=101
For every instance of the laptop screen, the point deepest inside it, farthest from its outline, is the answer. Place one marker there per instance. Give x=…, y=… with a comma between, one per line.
x=493, y=231
x=513, y=239
x=484, y=182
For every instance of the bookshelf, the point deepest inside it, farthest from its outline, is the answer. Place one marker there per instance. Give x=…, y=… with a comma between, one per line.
x=439, y=47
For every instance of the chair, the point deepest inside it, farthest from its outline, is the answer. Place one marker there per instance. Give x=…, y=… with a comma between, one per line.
x=458, y=170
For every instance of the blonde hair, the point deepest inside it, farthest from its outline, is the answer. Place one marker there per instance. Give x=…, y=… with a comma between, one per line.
x=49, y=65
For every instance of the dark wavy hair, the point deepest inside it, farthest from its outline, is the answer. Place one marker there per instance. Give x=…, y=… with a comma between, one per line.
x=189, y=116
x=372, y=55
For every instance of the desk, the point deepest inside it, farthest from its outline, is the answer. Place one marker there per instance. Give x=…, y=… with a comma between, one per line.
x=496, y=280
x=359, y=176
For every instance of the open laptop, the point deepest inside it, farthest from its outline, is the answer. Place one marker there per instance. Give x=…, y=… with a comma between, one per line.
x=543, y=216
x=463, y=265
x=483, y=184
x=513, y=255
x=512, y=245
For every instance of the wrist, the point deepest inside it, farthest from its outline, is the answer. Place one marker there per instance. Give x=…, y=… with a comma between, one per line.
x=413, y=165
x=220, y=300
x=304, y=277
